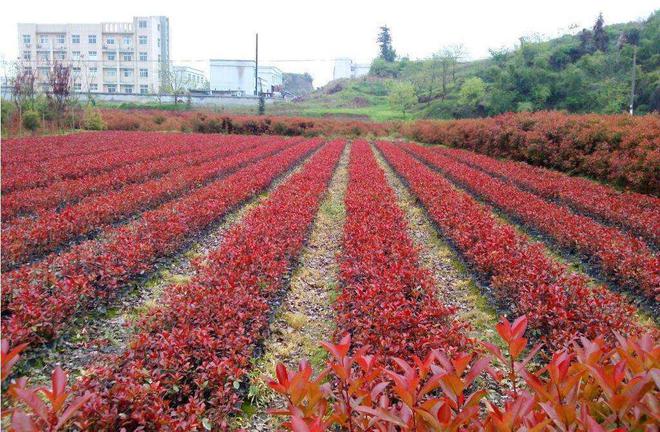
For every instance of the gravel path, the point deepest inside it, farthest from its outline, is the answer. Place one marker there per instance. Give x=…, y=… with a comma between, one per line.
x=306, y=315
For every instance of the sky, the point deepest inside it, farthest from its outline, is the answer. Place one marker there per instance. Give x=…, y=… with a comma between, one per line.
x=305, y=36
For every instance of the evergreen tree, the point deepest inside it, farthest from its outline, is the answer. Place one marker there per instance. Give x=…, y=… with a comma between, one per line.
x=387, y=52
x=600, y=37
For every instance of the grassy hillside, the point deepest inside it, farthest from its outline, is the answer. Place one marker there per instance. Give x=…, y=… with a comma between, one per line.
x=585, y=72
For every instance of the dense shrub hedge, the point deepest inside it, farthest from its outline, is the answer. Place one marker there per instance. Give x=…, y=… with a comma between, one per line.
x=616, y=149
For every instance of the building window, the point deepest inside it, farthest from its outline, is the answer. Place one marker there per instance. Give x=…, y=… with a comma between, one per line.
x=111, y=88
x=110, y=41
x=144, y=89
x=93, y=87
x=92, y=55
x=112, y=56
x=127, y=73
x=75, y=55
x=27, y=55
x=75, y=39
x=43, y=39
x=77, y=86
x=128, y=57
x=76, y=70
x=111, y=73
x=159, y=58
x=142, y=24
x=60, y=39
x=127, y=41
x=143, y=56
x=59, y=56
x=91, y=39
x=144, y=73
x=128, y=89
x=142, y=40
x=158, y=42
x=158, y=28
x=26, y=39
x=93, y=70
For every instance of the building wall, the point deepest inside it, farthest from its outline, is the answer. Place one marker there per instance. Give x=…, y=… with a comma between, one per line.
x=190, y=78
x=111, y=57
x=237, y=76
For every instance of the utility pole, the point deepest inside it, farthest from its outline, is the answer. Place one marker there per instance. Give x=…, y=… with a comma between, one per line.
x=632, y=90
x=256, y=66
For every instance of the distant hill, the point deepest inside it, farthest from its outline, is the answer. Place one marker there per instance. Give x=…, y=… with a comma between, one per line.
x=585, y=72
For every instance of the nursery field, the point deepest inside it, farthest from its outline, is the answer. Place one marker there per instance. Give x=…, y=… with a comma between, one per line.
x=204, y=281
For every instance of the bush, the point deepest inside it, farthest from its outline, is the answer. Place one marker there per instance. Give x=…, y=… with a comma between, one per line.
x=31, y=120
x=92, y=119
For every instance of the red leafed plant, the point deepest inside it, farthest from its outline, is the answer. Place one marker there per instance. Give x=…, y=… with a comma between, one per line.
x=583, y=387
x=47, y=408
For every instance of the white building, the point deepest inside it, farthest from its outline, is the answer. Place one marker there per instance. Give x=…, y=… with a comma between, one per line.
x=190, y=77
x=105, y=57
x=346, y=68
x=237, y=77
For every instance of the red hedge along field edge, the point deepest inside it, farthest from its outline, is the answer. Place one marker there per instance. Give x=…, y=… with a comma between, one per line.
x=186, y=363
x=617, y=149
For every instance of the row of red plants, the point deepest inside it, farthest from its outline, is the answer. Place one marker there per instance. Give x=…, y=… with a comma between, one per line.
x=34, y=149
x=184, y=368
x=60, y=193
x=25, y=175
x=622, y=258
x=617, y=149
x=31, y=237
x=521, y=278
x=387, y=302
x=39, y=300
x=585, y=386
x=635, y=212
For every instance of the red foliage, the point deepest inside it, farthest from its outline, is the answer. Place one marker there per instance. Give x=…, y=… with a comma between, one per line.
x=560, y=305
x=48, y=409
x=190, y=355
x=585, y=387
x=388, y=303
x=618, y=149
x=31, y=237
x=635, y=212
x=38, y=300
x=622, y=258
x=185, y=150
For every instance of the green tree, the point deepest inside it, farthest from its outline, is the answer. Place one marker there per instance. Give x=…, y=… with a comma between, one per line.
x=387, y=52
x=473, y=92
x=402, y=96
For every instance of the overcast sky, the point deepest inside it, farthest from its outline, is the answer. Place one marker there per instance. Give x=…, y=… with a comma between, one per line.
x=319, y=31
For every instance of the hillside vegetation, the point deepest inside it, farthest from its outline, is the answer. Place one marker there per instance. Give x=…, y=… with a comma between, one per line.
x=590, y=71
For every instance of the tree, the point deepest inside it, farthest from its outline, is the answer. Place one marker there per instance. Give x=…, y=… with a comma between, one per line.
x=426, y=79
x=59, y=80
x=600, y=37
x=387, y=52
x=174, y=82
x=472, y=92
x=402, y=96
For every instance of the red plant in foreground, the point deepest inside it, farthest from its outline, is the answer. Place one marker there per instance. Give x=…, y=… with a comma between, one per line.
x=48, y=409
x=582, y=387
